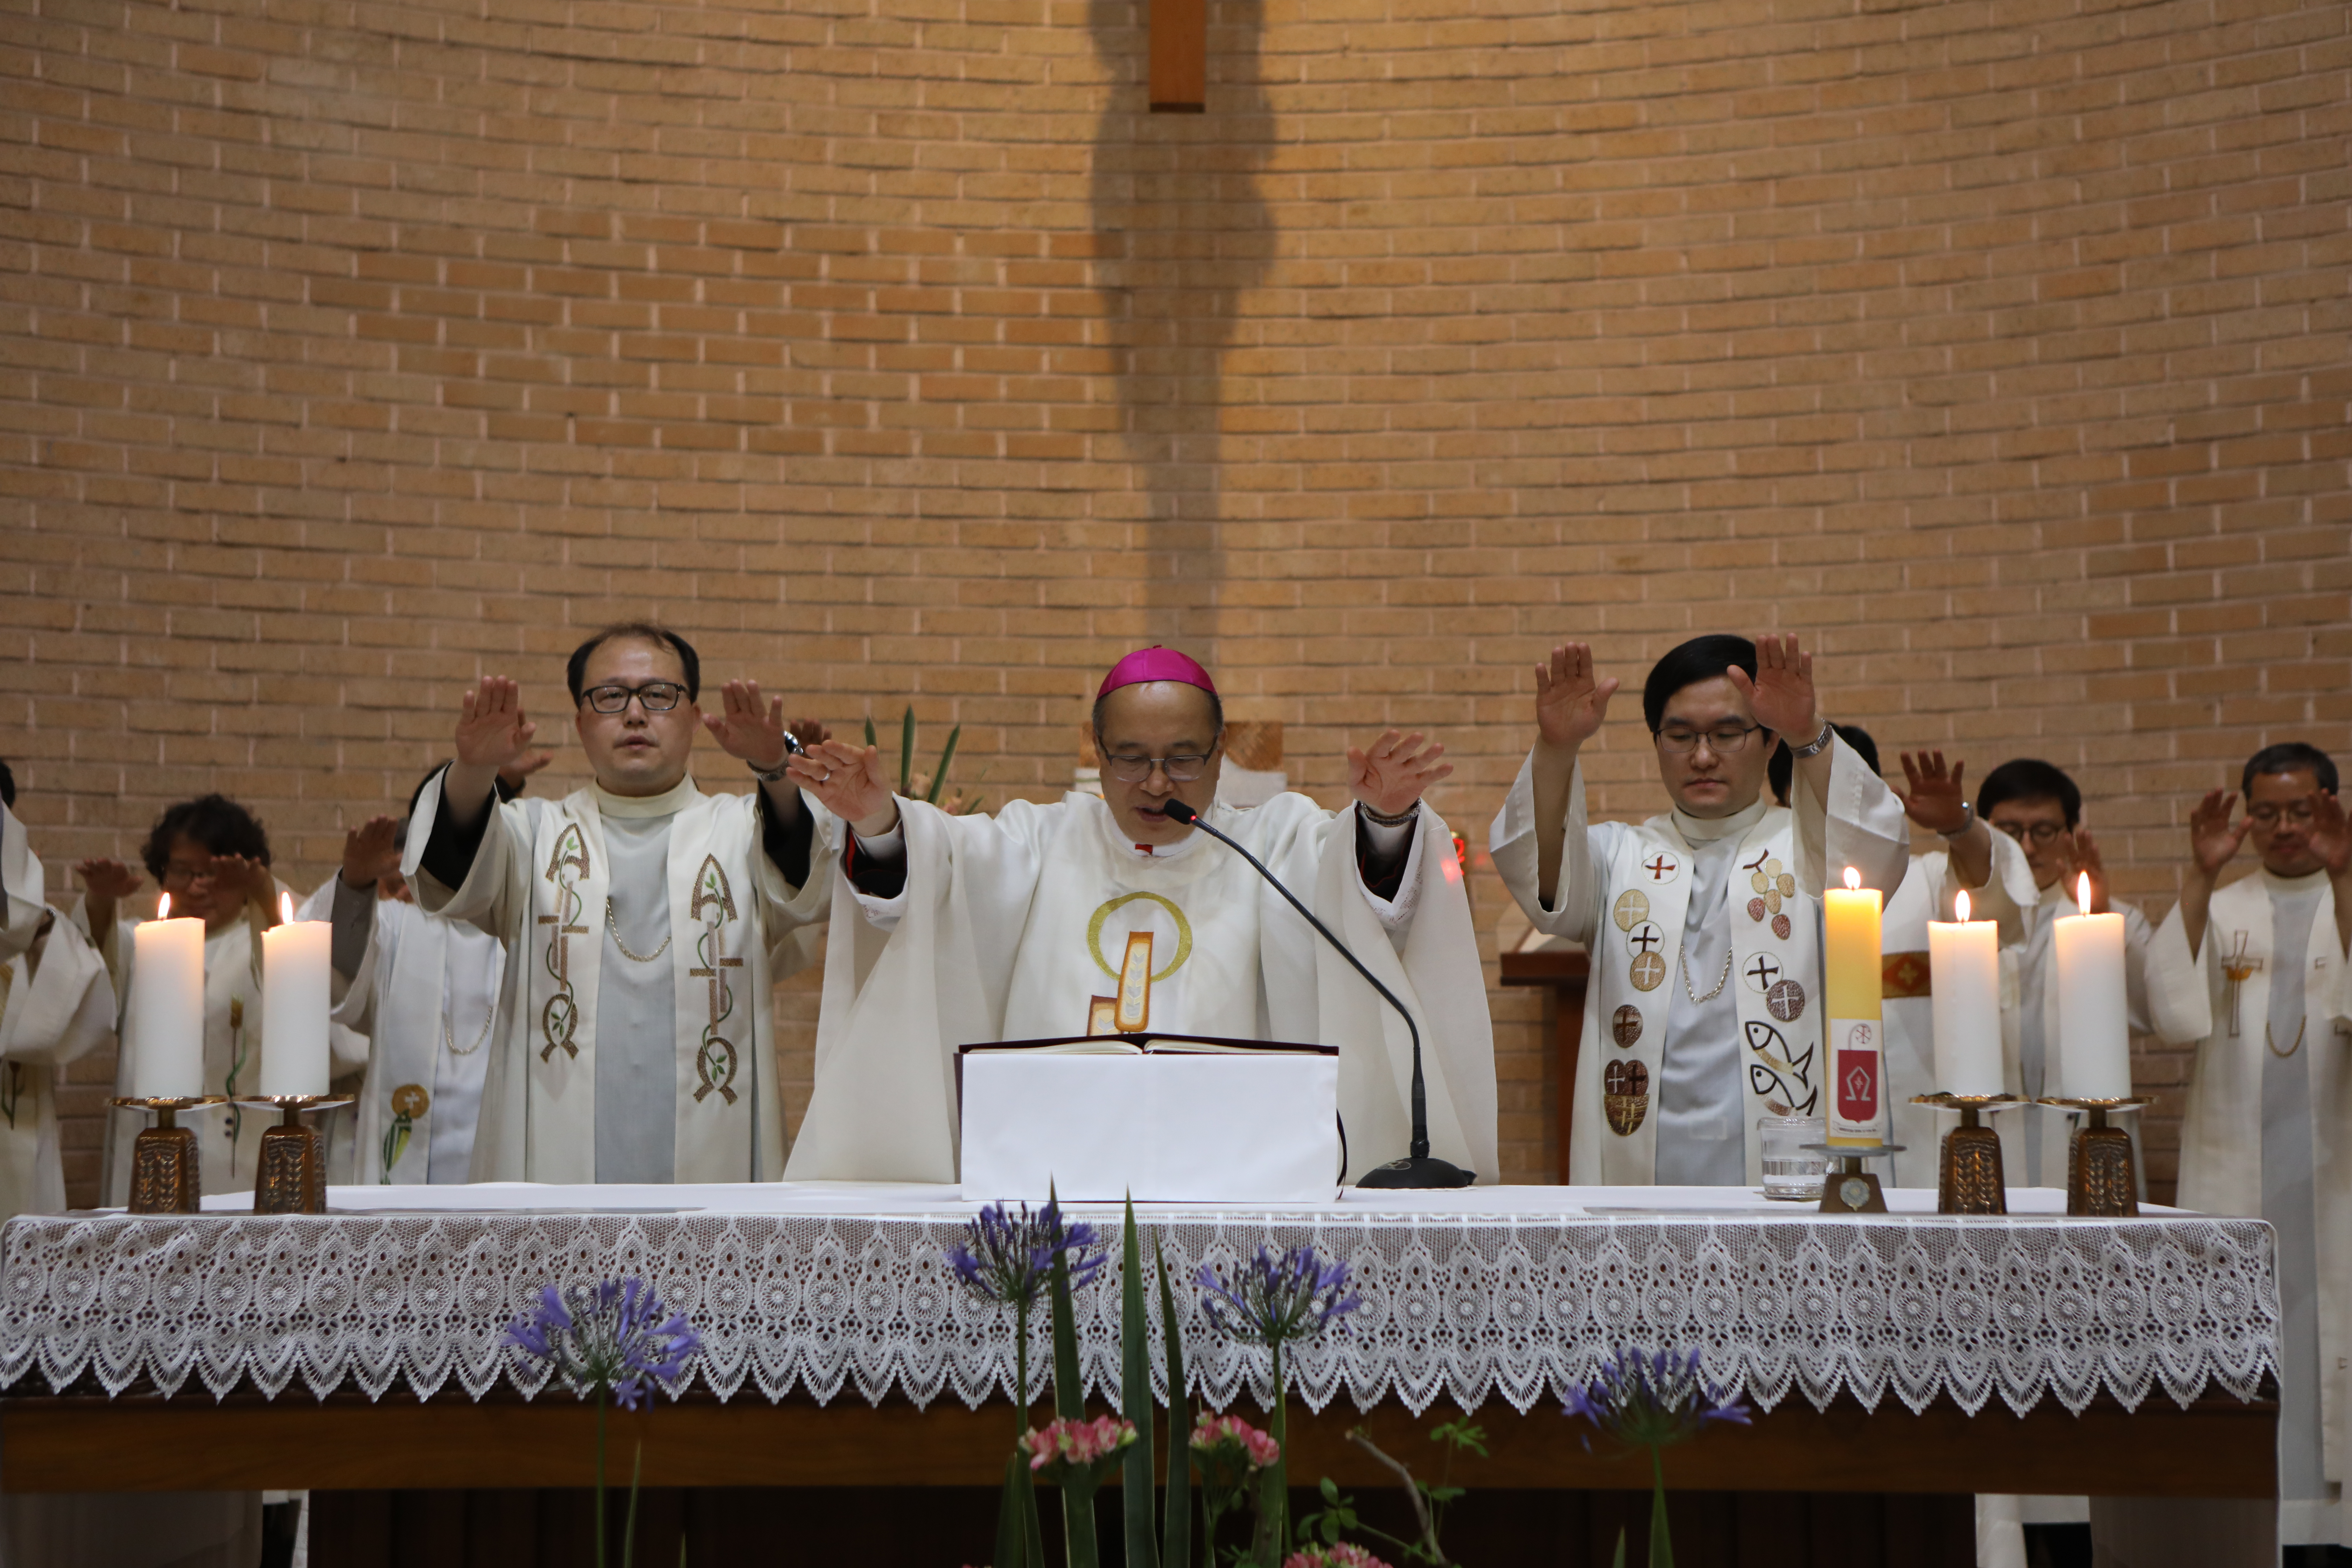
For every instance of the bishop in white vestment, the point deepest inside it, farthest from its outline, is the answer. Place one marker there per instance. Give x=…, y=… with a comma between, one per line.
x=642, y=920
x=951, y=929
x=1704, y=1011
x=2252, y=974
x=56, y=1007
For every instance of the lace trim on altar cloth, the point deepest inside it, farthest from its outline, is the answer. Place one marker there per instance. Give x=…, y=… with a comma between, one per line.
x=1468, y=1310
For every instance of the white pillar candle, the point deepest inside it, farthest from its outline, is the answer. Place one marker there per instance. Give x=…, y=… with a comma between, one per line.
x=1853, y=981
x=167, y=1007
x=1964, y=962
x=294, y=1004
x=2093, y=1034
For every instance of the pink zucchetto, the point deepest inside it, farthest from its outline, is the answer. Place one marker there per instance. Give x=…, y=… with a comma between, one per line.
x=1155, y=663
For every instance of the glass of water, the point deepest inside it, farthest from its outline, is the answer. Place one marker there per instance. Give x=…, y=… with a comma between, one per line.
x=1790, y=1170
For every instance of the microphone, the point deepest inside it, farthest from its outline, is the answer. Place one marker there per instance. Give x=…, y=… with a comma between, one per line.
x=1417, y=1169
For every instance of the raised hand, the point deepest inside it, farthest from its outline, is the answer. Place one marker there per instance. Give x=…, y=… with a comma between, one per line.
x=251, y=880
x=2083, y=860
x=1936, y=802
x=369, y=852
x=748, y=727
x=2331, y=838
x=1396, y=771
x=108, y=883
x=847, y=781
x=491, y=729
x=513, y=774
x=809, y=731
x=2212, y=840
x=1781, y=696
x=1571, y=703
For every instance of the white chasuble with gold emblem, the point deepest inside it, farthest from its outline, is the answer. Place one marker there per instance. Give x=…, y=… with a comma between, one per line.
x=1009, y=926
x=1704, y=1010
x=647, y=986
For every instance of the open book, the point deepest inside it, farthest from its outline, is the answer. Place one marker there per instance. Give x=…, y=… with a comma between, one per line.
x=1145, y=1044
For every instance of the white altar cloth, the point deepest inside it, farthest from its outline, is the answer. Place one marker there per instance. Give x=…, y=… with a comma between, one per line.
x=1516, y=1292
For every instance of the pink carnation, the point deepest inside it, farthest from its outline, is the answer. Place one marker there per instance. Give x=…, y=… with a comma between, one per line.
x=1077, y=1443
x=1343, y=1555
x=1214, y=1431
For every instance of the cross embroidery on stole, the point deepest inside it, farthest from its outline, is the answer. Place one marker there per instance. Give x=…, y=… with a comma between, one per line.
x=2237, y=969
x=560, y=1019
x=717, y=1060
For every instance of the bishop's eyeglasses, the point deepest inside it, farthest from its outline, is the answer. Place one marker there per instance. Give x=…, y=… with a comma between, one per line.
x=1723, y=740
x=657, y=696
x=1180, y=769
x=2033, y=832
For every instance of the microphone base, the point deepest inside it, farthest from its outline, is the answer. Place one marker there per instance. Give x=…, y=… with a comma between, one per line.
x=1425, y=1172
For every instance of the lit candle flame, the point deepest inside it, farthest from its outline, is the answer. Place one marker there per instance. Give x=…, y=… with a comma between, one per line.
x=2082, y=892
x=1960, y=907
x=285, y=909
x=1852, y=880
x=163, y=908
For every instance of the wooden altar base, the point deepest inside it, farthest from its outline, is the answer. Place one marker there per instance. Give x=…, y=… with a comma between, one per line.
x=2217, y=1447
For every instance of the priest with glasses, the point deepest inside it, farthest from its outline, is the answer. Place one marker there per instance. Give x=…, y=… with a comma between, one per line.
x=953, y=929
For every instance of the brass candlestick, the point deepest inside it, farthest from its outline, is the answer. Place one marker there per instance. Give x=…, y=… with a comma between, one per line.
x=292, y=1177
x=166, y=1174
x=1846, y=1187
x=2100, y=1181
x=1969, y=1175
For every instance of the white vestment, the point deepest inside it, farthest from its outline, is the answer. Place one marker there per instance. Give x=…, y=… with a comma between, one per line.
x=427, y=998
x=1008, y=925
x=1907, y=1004
x=634, y=1040
x=1705, y=993
x=2268, y=1133
x=50, y=1016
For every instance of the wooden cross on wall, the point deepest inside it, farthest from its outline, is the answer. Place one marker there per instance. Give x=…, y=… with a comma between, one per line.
x=1180, y=56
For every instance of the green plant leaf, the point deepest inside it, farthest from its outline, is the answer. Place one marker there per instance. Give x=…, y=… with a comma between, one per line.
x=947, y=756
x=870, y=730
x=1176, y=1530
x=1618, y=1561
x=1134, y=1385
x=907, y=753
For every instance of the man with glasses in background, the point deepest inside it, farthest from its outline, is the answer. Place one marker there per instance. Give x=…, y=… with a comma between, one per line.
x=1704, y=1012
x=2251, y=975
x=642, y=920
x=962, y=929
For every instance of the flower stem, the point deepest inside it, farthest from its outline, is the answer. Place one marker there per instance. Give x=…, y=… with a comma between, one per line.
x=1273, y=1536
x=600, y=1475
x=1661, y=1546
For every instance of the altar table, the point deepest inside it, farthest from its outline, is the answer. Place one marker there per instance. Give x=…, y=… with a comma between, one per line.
x=1904, y=1353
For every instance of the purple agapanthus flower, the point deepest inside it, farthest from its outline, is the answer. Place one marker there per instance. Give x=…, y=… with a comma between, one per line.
x=1007, y=1256
x=1653, y=1401
x=613, y=1336
x=1278, y=1297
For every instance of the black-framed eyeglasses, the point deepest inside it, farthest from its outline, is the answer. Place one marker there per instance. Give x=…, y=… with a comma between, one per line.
x=1182, y=768
x=2033, y=832
x=1723, y=740
x=655, y=696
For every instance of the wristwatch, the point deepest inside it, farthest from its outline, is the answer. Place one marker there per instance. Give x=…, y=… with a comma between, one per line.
x=1967, y=820
x=1820, y=743
x=771, y=775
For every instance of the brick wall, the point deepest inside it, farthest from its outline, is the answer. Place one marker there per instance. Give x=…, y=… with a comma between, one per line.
x=349, y=349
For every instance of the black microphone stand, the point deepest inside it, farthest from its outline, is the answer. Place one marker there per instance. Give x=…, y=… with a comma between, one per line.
x=1419, y=1168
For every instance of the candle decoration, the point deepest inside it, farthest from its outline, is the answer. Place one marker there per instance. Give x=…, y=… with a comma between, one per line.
x=291, y=1176
x=2093, y=1031
x=1853, y=982
x=295, y=1000
x=166, y=1008
x=166, y=1176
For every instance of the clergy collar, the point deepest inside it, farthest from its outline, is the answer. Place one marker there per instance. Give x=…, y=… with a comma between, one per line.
x=1161, y=853
x=669, y=803
x=1706, y=830
x=2291, y=886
